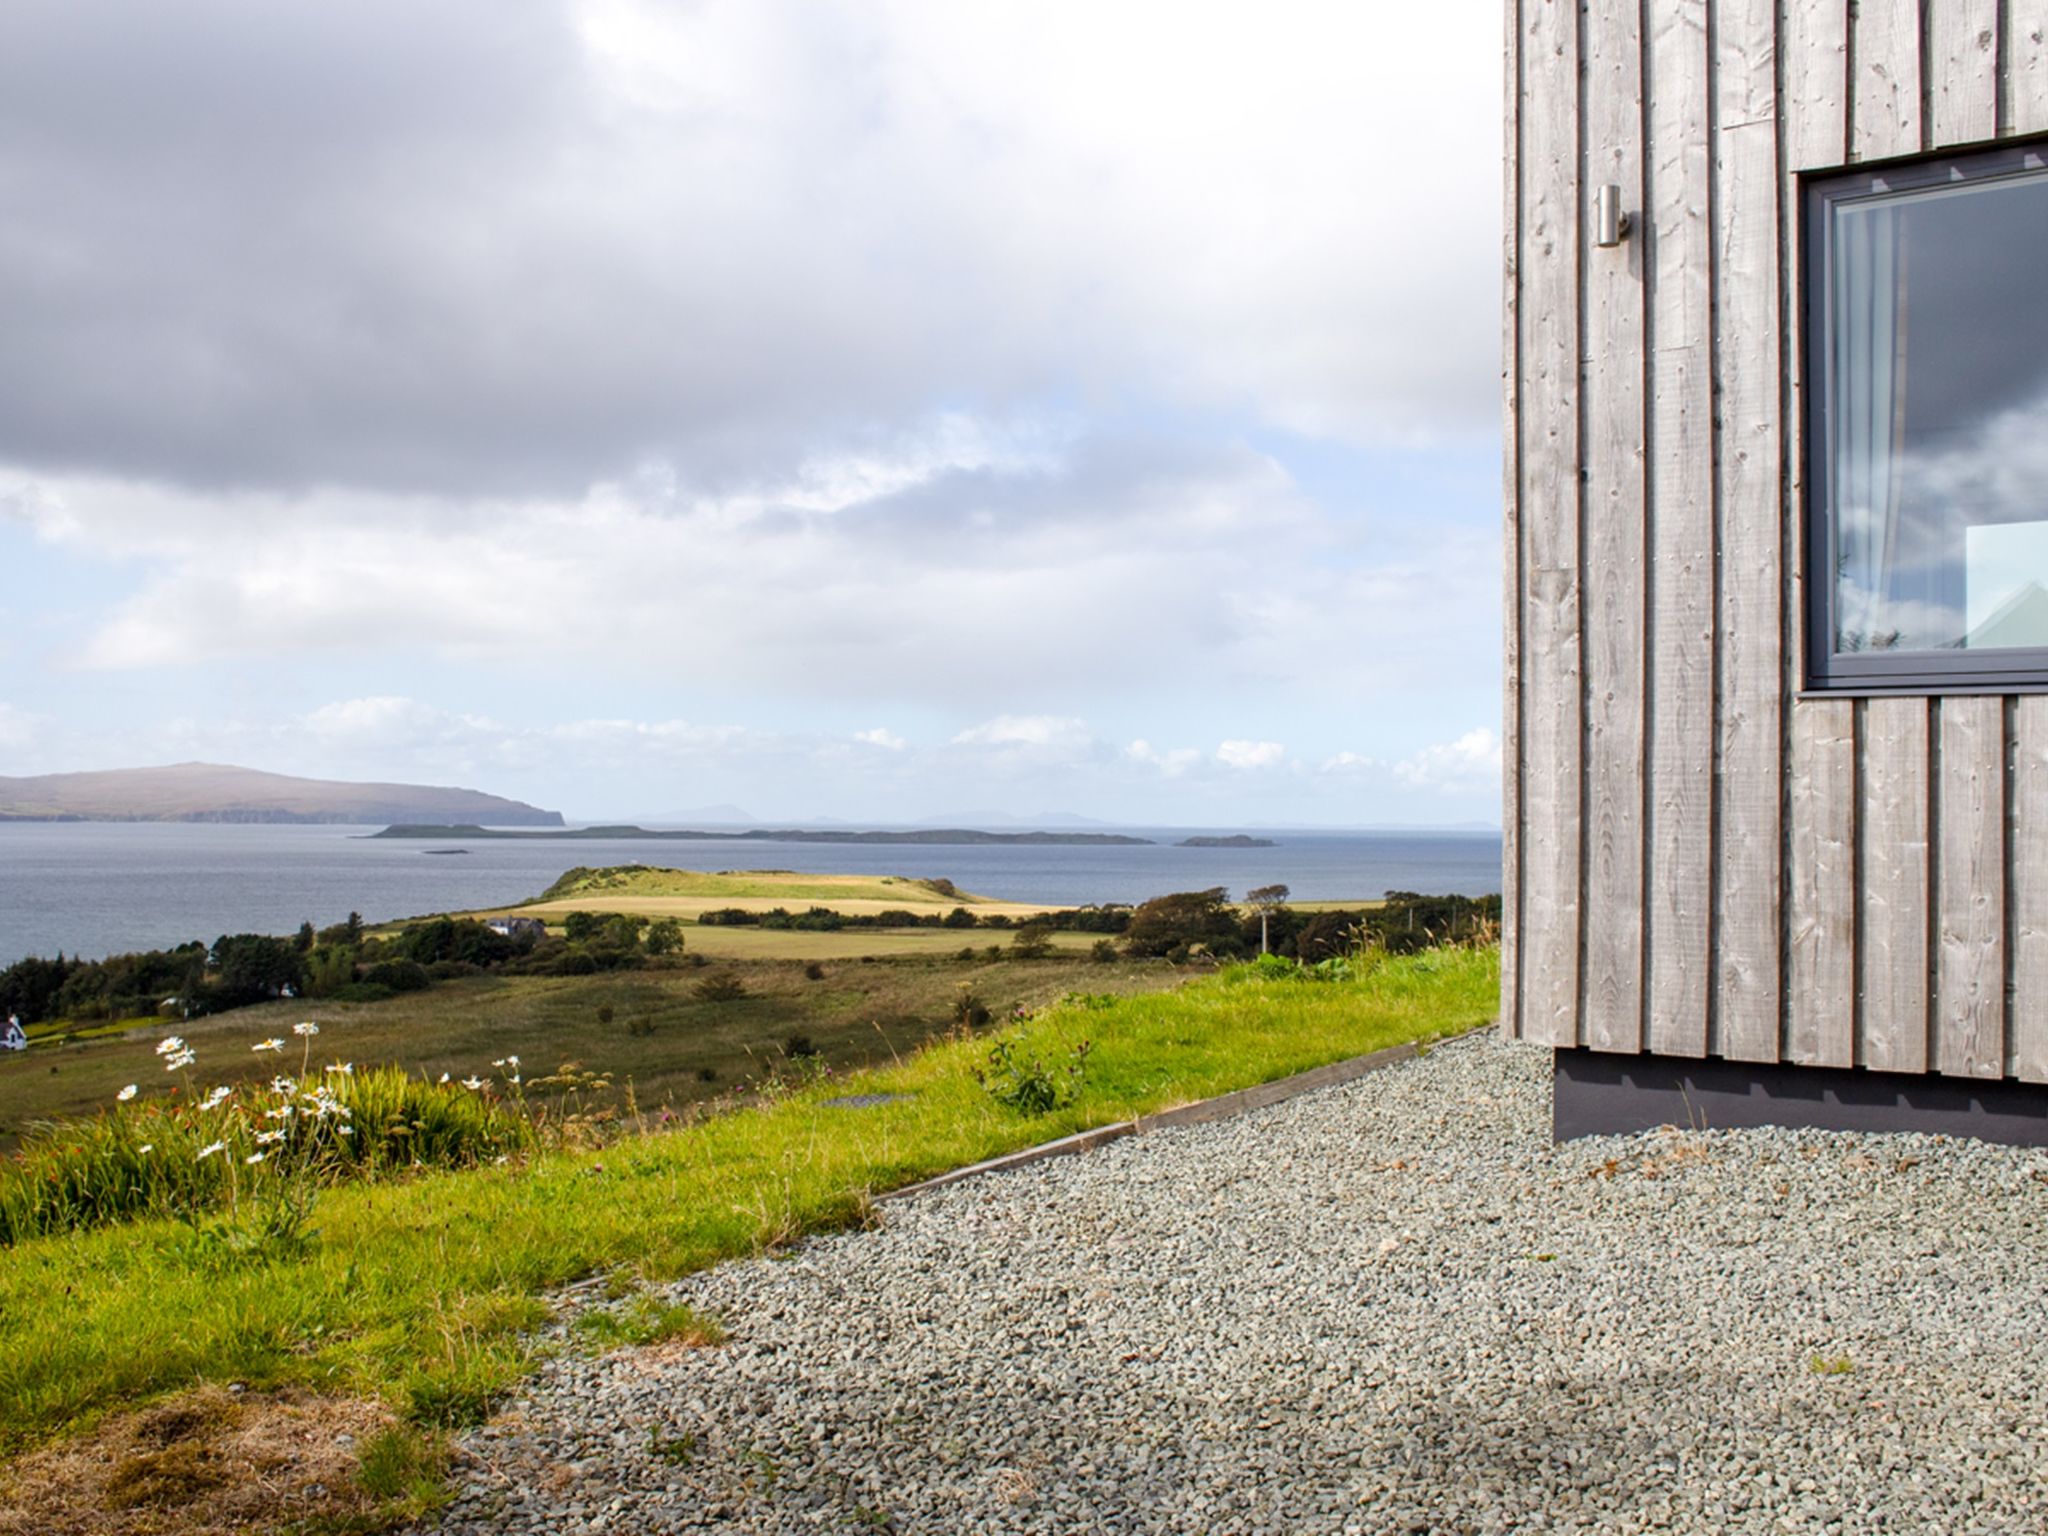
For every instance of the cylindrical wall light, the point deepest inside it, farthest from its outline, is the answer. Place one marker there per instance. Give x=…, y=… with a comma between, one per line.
x=1610, y=224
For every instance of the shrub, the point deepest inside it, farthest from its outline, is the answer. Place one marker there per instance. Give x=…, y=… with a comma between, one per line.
x=575, y=962
x=799, y=1045
x=814, y=971
x=1102, y=952
x=664, y=936
x=969, y=1011
x=398, y=975
x=1025, y=1083
x=604, y=1013
x=728, y=917
x=721, y=988
x=1033, y=942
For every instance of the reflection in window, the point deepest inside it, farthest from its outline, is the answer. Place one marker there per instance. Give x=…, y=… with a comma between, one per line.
x=1936, y=372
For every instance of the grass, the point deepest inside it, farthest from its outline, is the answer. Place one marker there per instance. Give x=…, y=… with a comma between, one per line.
x=781, y=885
x=673, y=1049
x=423, y=1293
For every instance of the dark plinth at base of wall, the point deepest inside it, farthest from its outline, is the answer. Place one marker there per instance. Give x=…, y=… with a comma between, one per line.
x=1600, y=1094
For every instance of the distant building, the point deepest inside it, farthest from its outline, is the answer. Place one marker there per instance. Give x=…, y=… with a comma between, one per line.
x=13, y=1037
x=524, y=930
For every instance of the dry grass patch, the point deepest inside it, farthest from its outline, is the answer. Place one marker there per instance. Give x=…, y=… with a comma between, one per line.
x=214, y=1462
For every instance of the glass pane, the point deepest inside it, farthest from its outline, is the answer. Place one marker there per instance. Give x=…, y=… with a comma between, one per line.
x=1937, y=370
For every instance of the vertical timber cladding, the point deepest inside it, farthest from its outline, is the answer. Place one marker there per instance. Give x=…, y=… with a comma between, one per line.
x=1700, y=862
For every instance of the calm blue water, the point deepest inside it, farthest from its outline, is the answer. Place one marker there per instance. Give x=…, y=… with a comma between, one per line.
x=97, y=888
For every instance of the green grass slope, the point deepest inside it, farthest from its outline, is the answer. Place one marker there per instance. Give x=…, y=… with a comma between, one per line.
x=423, y=1291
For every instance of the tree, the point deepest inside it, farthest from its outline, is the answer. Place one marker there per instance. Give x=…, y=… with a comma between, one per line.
x=1265, y=898
x=664, y=937
x=1033, y=940
x=254, y=967
x=1166, y=925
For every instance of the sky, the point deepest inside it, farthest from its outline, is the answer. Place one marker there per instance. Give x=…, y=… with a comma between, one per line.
x=871, y=411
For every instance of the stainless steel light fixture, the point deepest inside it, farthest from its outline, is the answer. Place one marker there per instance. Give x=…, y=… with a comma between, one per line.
x=1610, y=224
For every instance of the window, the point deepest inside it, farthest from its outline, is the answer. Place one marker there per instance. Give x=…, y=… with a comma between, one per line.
x=1927, y=424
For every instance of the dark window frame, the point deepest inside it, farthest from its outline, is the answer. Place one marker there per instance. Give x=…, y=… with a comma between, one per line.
x=2015, y=670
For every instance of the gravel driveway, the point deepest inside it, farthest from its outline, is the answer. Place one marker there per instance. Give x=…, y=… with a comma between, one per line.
x=1387, y=1307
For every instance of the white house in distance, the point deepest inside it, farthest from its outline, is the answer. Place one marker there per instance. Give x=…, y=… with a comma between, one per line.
x=13, y=1037
x=1777, y=489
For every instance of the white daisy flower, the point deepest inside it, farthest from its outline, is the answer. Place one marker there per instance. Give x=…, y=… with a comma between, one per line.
x=126, y=1093
x=206, y=1152
x=170, y=1045
x=268, y=1045
x=305, y=1029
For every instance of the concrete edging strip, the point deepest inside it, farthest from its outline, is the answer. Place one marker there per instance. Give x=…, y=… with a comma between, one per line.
x=1223, y=1107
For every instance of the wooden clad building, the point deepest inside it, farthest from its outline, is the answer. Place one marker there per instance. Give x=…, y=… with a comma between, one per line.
x=1776, y=371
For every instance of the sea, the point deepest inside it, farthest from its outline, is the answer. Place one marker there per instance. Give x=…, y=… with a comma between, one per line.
x=101, y=888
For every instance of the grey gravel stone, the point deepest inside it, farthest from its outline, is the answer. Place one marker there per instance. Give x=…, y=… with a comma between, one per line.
x=1391, y=1306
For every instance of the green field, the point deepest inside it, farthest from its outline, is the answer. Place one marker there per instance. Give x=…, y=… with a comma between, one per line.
x=422, y=1292
x=660, y=1039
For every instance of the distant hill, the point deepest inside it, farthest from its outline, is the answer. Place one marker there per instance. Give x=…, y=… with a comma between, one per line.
x=213, y=792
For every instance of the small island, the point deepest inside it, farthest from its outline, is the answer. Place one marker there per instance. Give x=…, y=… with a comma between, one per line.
x=1235, y=840
x=941, y=837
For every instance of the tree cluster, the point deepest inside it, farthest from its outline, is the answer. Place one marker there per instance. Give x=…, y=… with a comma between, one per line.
x=1191, y=923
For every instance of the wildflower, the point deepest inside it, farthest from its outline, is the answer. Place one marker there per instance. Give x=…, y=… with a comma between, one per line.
x=345, y=1068
x=282, y=1085
x=126, y=1093
x=265, y=1138
x=499, y=1062
x=444, y=1077
x=306, y=1029
x=206, y=1152
x=177, y=1061
x=345, y=1130
x=216, y=1098
x=147, y=1146
x=472, y=1083
x=170, y=1045
x=268, y=1045
x=514, y=1060
x=253, y=1157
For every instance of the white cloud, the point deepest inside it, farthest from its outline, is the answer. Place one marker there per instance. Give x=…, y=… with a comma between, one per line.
x=1251, y=754
x=1472, y=760
x=1349, y=762
x=883, y=738
x=1049, y=731
x=1173, y=761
